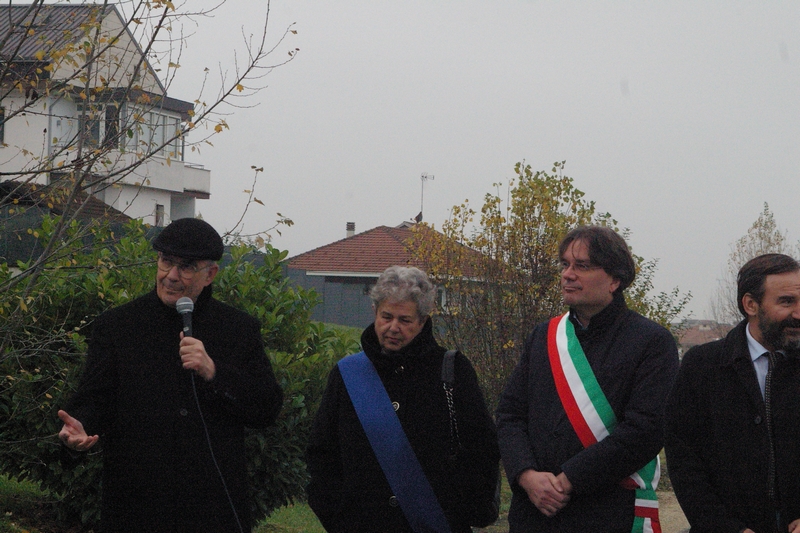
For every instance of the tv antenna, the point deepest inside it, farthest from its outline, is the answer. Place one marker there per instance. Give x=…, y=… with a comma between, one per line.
x=423, y=178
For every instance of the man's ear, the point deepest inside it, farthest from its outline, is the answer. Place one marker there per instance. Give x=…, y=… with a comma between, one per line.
x=750, y=305
x=615, y=285
x=211, y=273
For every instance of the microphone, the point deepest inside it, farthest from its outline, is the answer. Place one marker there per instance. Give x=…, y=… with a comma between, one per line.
x=185, y=306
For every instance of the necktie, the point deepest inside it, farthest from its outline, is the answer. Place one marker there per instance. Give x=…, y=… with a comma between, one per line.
x=768, y=407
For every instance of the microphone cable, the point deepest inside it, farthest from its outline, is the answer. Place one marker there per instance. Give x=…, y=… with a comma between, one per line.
x=184, y=306
x=213, y=457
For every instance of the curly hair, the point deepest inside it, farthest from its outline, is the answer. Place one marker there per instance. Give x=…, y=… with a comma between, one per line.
x=400, y=284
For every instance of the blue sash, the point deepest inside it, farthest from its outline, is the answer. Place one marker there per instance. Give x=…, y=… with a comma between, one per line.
x=391, y=446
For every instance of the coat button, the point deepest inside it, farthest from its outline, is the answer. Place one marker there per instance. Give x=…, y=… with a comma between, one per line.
x=393, y=502
x=396, y=405
x=399, y=370
x=183, y=412
x=757, y=419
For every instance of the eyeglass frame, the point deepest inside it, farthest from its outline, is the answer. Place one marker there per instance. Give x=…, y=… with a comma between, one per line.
x=186, y=269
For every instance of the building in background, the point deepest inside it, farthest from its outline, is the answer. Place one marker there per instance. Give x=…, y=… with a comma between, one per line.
x=112, y=125
x=697, y=332
x=344, y=271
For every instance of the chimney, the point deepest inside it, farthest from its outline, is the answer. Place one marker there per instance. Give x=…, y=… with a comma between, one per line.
x=351, y=229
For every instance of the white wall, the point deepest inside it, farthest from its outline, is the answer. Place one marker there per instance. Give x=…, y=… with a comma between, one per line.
x=25, y=131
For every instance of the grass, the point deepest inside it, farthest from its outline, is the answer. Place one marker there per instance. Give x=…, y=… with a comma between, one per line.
x=297, y=518
x=24, y=508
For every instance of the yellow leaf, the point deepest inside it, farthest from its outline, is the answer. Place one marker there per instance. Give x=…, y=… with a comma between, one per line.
x=239, y=87
x=39, y=55
x=218, y=128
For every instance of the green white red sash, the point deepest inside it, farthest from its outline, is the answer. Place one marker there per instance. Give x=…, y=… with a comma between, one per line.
x=592, y=417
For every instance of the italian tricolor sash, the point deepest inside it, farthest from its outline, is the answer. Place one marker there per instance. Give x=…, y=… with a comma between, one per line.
x=592, y=417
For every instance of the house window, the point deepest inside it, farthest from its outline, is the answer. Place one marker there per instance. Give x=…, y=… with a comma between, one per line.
x=100, y=124
x=150, y=130
x=159, y=216
x=111, y=134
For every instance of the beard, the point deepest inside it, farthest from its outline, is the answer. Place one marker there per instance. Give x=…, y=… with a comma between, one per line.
x=774, y=333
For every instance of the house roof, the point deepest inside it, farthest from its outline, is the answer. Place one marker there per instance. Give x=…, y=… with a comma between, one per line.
x=22, y=207
x=27, y=30
x=51, y=24
x=700, y=332
x=367, y=253
x=47, y=197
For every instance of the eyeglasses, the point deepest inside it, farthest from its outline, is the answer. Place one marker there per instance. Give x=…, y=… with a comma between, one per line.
x=579, y=266
x=186, y=269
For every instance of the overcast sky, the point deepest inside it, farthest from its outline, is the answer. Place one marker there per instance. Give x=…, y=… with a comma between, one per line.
x=680, y=118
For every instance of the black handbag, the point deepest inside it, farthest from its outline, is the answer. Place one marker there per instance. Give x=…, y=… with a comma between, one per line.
x=485, y=508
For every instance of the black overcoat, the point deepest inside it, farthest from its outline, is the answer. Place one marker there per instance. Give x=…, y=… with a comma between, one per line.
x=717, y=443
x=348, y=490
x=156, y=436
x=635, y=362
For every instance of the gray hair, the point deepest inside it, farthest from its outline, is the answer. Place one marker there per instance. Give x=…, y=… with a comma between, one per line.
x=400, y=284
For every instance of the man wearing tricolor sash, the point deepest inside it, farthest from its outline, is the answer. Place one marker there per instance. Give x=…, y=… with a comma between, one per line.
x=733, y=418
x=580, y=421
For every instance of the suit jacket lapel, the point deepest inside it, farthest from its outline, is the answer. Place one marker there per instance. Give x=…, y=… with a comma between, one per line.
x=742, y=364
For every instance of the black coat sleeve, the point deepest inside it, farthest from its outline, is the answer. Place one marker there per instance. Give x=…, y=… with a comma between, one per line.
x=94, y=402
x=688, y=471
x=512, y=419
x=244, y=385
x=479, y=456
x=323, y=458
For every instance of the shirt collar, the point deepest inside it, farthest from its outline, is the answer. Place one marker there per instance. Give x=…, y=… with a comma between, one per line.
x=755, y=347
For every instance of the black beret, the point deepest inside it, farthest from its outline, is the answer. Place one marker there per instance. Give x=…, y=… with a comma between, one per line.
x=190, y=238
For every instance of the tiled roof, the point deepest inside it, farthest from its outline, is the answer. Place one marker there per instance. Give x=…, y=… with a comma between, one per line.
x=52, y=25
x=370, y=252
x=26, y=31
x=50, y=198
x=700, y=332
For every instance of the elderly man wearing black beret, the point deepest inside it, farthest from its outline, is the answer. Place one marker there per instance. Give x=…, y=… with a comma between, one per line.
x=169, y=409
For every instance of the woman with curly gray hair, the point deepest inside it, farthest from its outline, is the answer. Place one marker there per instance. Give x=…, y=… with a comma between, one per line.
x=362, y=479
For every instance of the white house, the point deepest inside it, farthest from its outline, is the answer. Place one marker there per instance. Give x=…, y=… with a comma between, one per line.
x=124, y=133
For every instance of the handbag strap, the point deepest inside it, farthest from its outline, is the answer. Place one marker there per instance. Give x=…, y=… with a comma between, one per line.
x=448, y=380
x=390, y=444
